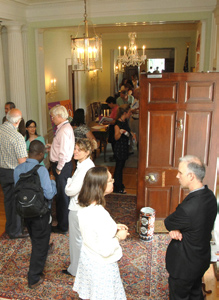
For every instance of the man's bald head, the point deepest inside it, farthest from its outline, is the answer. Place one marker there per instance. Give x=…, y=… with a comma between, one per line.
x=14, y=116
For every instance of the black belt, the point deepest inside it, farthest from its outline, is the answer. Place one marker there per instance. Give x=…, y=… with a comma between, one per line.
x=135, y=118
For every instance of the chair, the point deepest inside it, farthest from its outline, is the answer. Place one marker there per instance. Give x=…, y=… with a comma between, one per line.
x=95, y=110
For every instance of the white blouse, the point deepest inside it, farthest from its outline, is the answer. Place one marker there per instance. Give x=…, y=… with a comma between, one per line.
x=98, y=231
x=74, y=184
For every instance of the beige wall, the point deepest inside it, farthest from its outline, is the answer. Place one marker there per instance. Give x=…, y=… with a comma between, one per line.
x=96, y=87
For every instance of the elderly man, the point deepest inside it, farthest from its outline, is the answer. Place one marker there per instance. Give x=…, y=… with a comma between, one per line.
x=12, y=152
x=21, y=127
x=61, y=153
x=190, y=226
x=124, y=98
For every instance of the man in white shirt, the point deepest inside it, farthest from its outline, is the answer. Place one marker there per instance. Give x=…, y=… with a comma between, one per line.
x=61, y=153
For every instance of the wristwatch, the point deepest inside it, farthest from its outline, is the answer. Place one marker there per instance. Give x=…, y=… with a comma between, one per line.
x=58, y=171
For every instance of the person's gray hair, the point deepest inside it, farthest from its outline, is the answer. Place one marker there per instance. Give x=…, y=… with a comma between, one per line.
x=12, y=105
x=59, y=110
x=194, y=165
x=13, y=116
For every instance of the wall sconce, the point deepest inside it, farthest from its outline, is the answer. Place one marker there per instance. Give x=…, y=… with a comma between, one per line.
x=52, y=87
x=93, y=75
x=116, y=69
x=119, y=67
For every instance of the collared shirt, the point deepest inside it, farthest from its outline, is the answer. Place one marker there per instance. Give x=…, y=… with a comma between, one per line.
x=201, y=188
x=48, y=186
x=74, y=184
x=21, y=126
x=12, y=146
x=121, y=101
x=63, y=145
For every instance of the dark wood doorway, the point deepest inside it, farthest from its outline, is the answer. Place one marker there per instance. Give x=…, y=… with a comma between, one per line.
x=178, y=116
x=131, y=71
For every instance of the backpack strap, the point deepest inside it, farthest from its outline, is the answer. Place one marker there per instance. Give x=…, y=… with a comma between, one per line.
x=35, y=168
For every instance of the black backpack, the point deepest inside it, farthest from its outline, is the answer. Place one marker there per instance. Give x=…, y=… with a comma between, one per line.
x=29, y=196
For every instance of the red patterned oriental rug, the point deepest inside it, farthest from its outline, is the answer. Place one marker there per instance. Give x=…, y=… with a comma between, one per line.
x=142, y=266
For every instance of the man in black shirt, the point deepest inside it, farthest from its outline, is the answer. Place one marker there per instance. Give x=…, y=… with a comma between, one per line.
x=190, y=227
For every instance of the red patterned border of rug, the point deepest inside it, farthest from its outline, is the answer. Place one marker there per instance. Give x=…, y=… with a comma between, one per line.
x=140, y=260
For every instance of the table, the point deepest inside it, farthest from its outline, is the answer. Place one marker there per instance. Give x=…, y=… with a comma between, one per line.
x=101, y=133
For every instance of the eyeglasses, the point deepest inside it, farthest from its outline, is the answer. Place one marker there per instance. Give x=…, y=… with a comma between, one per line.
x=31, y=127
x=111, y=180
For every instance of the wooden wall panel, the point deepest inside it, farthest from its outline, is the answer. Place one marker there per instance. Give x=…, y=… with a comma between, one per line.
x=162, y=92
x=161, y=138
x=198, y=129
x=199, y=91
x=159, y=198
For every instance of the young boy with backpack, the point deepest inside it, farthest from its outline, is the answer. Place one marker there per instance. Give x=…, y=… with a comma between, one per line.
x=34, y=191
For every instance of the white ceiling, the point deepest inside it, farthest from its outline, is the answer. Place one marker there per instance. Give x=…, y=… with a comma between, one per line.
x=43, y=1
x=104, y=11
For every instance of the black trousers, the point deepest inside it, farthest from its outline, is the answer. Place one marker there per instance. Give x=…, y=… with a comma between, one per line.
x=13, y=221
x=185, y=289
x=62, y=200
x=39, y=230
x=118, y=175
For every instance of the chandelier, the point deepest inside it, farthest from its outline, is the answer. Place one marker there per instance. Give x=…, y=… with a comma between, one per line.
x=86, y=52
x=131, y=56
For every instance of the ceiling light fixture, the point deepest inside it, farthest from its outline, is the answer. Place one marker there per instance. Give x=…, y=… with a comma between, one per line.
x=131, y=56
x=86, y=51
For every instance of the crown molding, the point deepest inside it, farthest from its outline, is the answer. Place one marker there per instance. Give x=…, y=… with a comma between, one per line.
x=51, y=10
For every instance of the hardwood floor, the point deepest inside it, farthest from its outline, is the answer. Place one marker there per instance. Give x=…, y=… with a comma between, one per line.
x=130, y=181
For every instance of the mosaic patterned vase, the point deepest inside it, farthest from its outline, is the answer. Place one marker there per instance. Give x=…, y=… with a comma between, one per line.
x=147, y=220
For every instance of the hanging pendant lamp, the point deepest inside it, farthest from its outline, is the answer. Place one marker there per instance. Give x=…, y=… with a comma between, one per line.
x=86, y=51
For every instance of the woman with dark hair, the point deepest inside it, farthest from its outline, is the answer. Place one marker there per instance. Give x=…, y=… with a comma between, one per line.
x=31, y=135
x=98, y=276
x=82, y=153
x=81, y=130
x=122, y=84
x=121, y=147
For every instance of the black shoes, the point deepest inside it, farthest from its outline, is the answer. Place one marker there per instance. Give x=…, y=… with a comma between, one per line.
x=20, y=236
x=55, y=229
x=35, y=285
x=66, y=272
x=120, y=192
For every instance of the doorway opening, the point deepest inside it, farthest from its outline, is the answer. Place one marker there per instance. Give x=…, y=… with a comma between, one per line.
x=156, y=65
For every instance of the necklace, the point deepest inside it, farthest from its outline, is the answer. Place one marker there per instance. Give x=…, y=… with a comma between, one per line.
x=121, y=120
